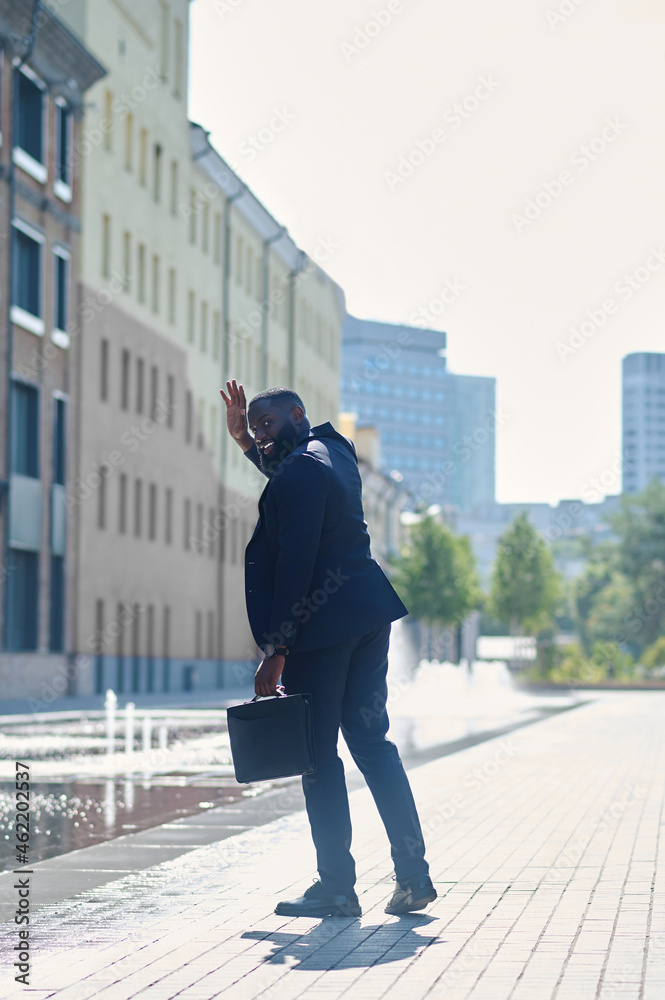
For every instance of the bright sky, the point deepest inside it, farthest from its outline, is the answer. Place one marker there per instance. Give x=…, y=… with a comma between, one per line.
x=321, y=106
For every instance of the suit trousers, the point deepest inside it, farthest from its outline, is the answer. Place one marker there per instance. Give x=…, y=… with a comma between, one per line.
x=349, y=692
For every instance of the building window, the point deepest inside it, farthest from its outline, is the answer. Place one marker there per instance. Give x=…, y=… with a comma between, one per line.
x=239, y=260
x=126, y=261
x=29, y=151
x=61, y=295
x=204, y=326
x=191, y=318
x=139, y=385
x=101, y=502
x=211, y=632
x=138, y=503
x=104, y=371
x=136, y=634
x=140, y=281
x=59, y=441
x=192, y=216
x=120, y=615
x=200, y=423
x=215, y=335
x=168, y=516
x=211, y=543
x=170, y=400
x=99, y=631
x=152, y=512
x=27, y=291
x=248, y=271
x=199, y=527
x=178, y=59
x=106, y=246
x=187, y=524
x=154, y=385
x=166, y=634
x=197, y=634
x=172, y=292
x=150, y=648
x=143, y=157
x=157, y=173
x=122, y=503
x=155, y=283
x=25, y=429
x=164, y=39
x=107, y=124
x=205, y=228
x=23, y=600
x=188, y=417
x=174, y=188
x=124, y=384
x=217, y=239
x=129, y=141
x=63, y=180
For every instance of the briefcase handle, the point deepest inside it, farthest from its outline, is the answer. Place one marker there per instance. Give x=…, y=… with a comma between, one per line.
x=281, y=693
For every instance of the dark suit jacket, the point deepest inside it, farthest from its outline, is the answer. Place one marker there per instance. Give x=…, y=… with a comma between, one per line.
x=310, y=580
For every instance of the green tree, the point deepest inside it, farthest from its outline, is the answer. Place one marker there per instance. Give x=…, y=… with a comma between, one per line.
x=640, y=526
x=435, y=575
x=599, y=572
x=654, y=655
x=525, y=584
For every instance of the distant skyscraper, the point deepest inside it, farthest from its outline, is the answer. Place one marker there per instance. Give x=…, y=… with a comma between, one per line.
x=643, y=420
x=436, y=429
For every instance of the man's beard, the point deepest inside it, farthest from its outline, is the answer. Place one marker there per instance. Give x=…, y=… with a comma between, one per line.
x=285, y=442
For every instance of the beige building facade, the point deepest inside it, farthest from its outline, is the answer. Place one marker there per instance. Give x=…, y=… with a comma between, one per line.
x=186, y=280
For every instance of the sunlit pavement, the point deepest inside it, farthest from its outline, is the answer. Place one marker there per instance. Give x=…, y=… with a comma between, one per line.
x=543, y=844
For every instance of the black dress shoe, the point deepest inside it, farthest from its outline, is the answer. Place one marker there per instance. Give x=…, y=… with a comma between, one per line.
x=318, y=902
x=412, y=894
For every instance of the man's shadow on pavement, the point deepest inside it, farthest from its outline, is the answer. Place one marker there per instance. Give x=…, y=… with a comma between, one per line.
x=345, y=943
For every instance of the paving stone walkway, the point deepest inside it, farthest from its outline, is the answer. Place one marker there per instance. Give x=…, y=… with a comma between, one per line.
x=545, y=847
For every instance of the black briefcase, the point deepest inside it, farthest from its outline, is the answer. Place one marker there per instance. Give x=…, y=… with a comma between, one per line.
x=272, y=738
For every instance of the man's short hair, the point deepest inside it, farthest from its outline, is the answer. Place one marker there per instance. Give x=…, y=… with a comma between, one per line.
x=281, y=396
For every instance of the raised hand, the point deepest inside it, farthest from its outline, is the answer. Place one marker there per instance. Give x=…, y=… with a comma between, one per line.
x=236, y=414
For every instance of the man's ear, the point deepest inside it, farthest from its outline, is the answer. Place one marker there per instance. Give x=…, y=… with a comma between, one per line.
x=297, y=414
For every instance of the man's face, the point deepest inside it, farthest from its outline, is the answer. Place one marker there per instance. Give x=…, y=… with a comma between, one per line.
x=275, y=433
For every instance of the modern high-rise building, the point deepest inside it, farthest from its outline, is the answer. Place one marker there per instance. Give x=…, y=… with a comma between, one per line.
x=437, y=429
x=643, y=420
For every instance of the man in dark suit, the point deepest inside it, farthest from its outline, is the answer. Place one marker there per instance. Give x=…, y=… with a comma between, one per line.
x=320, y=609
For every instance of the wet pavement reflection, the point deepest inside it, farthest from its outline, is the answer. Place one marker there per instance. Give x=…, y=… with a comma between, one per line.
x=69, y=815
